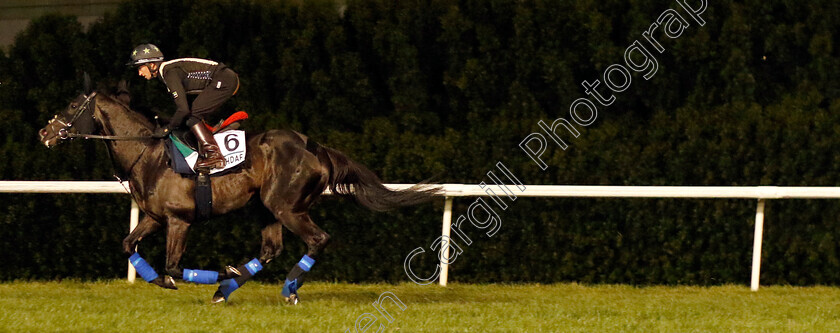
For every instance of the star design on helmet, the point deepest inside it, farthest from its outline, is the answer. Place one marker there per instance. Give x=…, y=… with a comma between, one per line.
x=146, y=50
x=134, y=53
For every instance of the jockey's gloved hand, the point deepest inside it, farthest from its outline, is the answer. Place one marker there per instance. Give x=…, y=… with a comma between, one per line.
x=161, y=132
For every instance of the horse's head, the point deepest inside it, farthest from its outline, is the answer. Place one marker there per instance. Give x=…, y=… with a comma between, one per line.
x=76, y=118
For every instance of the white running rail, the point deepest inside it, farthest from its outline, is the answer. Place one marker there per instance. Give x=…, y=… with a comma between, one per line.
x=450, y=191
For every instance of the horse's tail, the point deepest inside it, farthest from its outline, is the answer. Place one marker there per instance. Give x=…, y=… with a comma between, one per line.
x=367, y=188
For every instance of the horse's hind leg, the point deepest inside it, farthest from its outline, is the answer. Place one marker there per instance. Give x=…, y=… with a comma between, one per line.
x=272, y=242
x=272, y=245
x=316, y=239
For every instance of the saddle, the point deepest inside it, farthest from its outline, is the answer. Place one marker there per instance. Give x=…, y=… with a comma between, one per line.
x=186, y=137
x=182, y=145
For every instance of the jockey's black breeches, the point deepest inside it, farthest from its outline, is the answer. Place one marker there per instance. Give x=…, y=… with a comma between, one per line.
x=225, y=83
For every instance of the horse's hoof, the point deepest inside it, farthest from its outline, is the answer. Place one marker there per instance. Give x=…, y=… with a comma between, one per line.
x=232, y=272
x=218, y=297
x=166, y=282
x=169, y=282
x=293, y=299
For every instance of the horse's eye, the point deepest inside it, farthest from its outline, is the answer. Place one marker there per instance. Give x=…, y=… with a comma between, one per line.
x=73, y=106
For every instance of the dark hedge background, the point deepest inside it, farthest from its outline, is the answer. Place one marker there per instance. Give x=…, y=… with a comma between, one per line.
x=447, y=88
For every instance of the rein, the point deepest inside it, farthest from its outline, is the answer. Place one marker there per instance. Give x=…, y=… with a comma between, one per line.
x=109, y=137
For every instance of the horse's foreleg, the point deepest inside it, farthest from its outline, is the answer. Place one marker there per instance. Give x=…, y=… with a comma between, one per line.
x=176, y=243
x=315, y=239
x=272, y=245
x=145, y=227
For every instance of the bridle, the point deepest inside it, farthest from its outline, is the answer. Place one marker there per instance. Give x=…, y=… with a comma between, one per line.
x=67, y=130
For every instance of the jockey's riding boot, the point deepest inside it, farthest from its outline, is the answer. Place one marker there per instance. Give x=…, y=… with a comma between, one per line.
x=207, y=148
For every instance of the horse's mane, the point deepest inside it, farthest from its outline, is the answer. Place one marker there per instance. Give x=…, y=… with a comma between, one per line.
x=115, y=99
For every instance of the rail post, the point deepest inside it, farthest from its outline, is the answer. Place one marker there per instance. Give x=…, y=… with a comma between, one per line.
x=447, y=224
x=759, y=232
x=135, y=217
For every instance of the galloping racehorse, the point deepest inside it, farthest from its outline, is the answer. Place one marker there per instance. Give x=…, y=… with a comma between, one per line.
x=285, y=168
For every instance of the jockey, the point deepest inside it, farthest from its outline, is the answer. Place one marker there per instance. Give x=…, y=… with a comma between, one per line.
x=213, y=82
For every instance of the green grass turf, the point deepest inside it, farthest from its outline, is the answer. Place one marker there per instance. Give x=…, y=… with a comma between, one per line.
x=116, y=306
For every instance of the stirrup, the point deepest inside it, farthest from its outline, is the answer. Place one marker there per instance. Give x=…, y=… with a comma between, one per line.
x=213, y=160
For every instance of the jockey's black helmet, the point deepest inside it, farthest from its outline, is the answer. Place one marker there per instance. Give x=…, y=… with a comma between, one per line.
x=145, y=53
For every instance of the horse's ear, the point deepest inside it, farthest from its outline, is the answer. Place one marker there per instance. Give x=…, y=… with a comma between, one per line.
x=87, y=86
x=123, y=87
x=123, y=94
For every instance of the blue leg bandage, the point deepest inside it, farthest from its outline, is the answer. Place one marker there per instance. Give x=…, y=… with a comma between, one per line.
x=143, y=268
x=293, y=280
x=306, y=263
x=253, y=266
x=230, y=285
x=289, y=288
x=200, y=276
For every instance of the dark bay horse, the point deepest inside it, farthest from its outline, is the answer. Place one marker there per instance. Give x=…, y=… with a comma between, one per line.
x=285, y=168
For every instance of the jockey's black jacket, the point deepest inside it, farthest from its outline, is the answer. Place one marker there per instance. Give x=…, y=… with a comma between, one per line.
x=187, y=76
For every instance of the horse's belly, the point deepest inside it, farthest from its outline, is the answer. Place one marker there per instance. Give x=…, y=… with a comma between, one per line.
x=230, y=195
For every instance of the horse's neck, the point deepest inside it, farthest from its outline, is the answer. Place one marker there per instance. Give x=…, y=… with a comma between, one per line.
x=116, y=119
